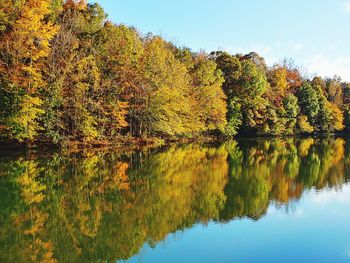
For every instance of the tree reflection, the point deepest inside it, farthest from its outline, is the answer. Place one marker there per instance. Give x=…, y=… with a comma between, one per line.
x=106, y=206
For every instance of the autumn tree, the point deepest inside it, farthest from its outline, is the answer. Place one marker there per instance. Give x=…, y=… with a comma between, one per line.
x=73, y=104
x=294, y=76
x=335, y=91
x=24, y=46
x=277, y=77
x=68, y=73
x=169, y=101
x=120, y=51
x=210, y=99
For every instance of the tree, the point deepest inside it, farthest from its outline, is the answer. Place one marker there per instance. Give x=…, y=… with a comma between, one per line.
x=82, y=101
x=67, y=73
x=309, y=101
x=234, y=117
x=335, y=91
x=294, y=78
x=291, y=107
x=346, y=93
x=23, y=49
x=119, y=59
x=290, y=104
x=80, y=107
x=319, y=85
x=304, y=125
x=338, y=118
x=210, y=98
x=231, y=68
x=245, y=82
x=169, y=102
x=330, y=117
x=56, y=7
x=250, y=88
x=277, y=78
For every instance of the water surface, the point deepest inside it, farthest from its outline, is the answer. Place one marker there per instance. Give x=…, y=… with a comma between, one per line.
x=282, y=200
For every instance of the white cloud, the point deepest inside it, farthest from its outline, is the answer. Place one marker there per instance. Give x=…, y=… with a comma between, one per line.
x=329, y=67
x=347, y=7
x=263, y=50
x=297, y=47
x=269, y=52
x=318, y=64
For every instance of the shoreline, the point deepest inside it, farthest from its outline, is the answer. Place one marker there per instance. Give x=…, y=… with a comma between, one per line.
x=124, y=143
x=140, y=143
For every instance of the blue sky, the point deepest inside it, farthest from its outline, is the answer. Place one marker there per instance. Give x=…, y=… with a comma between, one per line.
x=315, y=33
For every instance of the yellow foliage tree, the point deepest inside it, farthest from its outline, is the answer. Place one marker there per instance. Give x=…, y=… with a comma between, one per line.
x=24, y=45
x=304, y=125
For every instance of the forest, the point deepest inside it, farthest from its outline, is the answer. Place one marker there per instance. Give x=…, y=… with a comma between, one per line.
x=67, y=73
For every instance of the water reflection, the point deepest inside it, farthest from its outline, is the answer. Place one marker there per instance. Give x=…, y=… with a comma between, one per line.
x=105, y=206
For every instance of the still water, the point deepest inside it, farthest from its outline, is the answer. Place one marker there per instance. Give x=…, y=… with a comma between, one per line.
x=282, y=200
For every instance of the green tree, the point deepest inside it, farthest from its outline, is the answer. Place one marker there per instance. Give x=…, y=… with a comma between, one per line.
x=291, y=107
x=234, y=117
x=245, y=82
x=309, y=102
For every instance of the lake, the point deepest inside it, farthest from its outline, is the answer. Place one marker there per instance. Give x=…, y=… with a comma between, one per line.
x=256, y=200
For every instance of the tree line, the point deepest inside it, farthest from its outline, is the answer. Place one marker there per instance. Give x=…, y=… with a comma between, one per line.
x=68, y=73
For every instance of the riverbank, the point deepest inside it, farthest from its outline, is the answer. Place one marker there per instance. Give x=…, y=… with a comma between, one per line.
x=123, y=143
x=132, y=144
